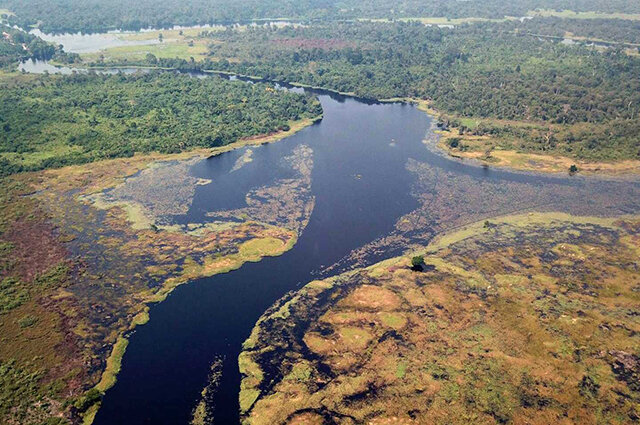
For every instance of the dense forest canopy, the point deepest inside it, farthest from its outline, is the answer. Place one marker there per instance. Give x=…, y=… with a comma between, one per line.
x=476, y=70
x=480, y=70
x=100, y=15
x=56, y=121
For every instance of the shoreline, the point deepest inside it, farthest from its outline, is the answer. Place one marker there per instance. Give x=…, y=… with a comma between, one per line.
x=522, y=161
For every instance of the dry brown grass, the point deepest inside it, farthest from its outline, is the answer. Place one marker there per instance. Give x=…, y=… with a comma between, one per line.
x=517, y=324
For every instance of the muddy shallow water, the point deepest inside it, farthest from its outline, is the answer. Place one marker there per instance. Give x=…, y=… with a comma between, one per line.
x=377, y=189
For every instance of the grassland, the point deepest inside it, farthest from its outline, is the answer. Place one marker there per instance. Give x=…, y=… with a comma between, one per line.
x=520, y=319
x=569, y=14
x=180, y=44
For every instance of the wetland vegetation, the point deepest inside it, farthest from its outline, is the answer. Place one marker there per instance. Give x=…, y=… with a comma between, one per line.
x=80, y=265
x=528, y=320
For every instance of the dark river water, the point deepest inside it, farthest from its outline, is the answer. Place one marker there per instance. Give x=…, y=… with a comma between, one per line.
x=361, y=186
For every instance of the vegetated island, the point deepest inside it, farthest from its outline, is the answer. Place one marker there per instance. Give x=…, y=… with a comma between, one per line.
x=86, y=242
x=527, y=318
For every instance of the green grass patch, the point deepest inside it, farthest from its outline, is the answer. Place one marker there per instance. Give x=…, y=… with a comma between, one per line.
x=247, y=398
x=166, y=50
x=261, y=247
x=114, y=363
x=13, y=294
x=584, y=15
x=27, y=321
x=393, y=320
x=401, y=370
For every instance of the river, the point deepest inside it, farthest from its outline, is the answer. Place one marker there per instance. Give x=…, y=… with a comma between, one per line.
x=362, y=186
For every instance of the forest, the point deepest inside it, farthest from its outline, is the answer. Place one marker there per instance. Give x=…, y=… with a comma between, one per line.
x=54, y=121
x=482, y=71
x=606, y=30
x=60, y=16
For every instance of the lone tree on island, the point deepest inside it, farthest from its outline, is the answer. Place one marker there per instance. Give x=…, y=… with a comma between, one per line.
x=417, y=262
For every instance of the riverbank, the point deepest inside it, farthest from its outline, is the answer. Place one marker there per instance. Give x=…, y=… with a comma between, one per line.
x=252, y=250
x=488, y=153
x=459, y=144
x=485, y=150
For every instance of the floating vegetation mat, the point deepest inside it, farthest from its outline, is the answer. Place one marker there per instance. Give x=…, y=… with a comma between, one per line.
x=525, y=319
x=93, y=245
x=287, y=202
x=163, y=189
x=448, y=200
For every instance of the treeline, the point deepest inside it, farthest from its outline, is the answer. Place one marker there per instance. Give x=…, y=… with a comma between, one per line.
x=57, y=121
x=479, y=70
x=475, y=8
x=17, y=46
x=608, y=30
x=88, y=16
x=59, y=16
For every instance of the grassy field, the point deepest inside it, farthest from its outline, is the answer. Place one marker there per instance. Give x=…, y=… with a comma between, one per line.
x=182, y=44
x=166, y=50
x=584, y=15
x=174, y=45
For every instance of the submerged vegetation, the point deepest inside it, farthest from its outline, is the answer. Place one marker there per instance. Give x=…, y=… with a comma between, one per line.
x=530, y=319
x=58, y=121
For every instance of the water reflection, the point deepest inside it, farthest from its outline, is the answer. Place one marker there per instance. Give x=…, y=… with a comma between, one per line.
x=92, y=43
